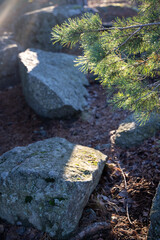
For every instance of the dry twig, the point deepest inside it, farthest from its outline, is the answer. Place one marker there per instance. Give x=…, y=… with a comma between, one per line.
x=92, y=229
x=125, y=185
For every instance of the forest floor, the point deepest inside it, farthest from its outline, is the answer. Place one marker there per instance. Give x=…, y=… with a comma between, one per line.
x=138, y=167
x=124, y=194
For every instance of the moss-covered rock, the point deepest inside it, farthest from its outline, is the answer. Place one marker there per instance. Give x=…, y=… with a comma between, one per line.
x=48, y=183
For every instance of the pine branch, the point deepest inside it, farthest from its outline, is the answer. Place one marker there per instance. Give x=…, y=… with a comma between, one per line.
x=128, y=39
x=119, y=28
x=149, y=93
x=129, y=27
x=125, y=56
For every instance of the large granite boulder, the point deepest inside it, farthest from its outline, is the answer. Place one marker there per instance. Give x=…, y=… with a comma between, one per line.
x=34, y=28
x=9, y=50
x=14, y=9
x=52, y=86
x=131, y=133
x=48, y=183
x=154, y=230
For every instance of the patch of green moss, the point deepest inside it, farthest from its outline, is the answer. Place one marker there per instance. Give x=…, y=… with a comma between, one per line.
x=52, y=202
x=94, y=163
x=28, y=199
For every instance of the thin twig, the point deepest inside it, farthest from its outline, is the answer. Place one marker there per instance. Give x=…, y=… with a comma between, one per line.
x=128, y=38
x=125, y=186
x=147, y=93
x=120, y=60
x=129, y=27
x=120, y=28
x=92, y=229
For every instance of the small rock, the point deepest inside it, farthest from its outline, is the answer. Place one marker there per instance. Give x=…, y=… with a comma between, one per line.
x=131, y=133
x=19, y=223
x=41, y=132
x=103, y=146
x=87, y=116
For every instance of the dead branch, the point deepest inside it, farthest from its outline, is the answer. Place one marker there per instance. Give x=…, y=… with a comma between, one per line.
x=125, y=186
x=92, y=229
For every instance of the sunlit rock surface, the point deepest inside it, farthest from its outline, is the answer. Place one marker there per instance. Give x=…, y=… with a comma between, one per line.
x=52, y=86
x=48, y=183
x=132, y=133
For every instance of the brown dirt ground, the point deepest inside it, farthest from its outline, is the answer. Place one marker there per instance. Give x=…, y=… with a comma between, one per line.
x=19, y=126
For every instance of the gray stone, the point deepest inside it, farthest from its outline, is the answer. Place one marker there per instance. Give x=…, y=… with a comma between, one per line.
x=103, y=146
x=87, y=116
x=16, y=8
x=9, y=50
x=34, y=28
x=131, y=133
x=48, y=183
x=154, y=230
x=52, y=86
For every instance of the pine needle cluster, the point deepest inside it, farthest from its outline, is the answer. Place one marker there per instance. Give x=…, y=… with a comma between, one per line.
x=126, y=57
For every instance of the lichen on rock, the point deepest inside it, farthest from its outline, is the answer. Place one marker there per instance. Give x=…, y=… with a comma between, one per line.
x=48, y=183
